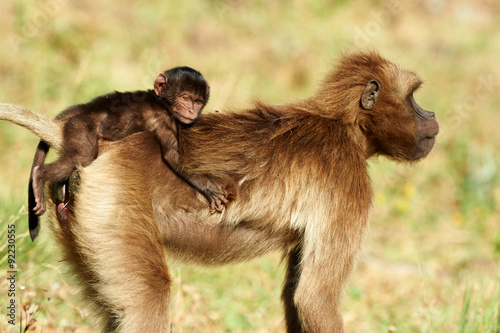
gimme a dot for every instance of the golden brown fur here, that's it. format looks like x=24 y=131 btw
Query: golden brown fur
x=125 y=268
x=298 y=174
x=43 y=127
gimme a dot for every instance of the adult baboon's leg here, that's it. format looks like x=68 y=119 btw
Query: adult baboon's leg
x=290 y=285
x=114 y=247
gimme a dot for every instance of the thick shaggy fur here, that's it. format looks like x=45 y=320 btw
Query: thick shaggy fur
x=298 y=176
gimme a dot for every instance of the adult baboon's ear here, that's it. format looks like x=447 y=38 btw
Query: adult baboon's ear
x=370 y=94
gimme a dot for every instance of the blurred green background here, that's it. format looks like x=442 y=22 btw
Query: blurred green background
x=431 y=260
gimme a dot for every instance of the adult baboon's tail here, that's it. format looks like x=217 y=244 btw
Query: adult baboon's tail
x=45 y=128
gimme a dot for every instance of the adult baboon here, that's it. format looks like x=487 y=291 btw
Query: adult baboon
x=299 y=175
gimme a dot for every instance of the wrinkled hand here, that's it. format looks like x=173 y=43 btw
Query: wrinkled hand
x=40 y=207
x=216 y=197
x=38 y=192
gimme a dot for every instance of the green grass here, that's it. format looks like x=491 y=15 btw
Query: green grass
x=431 y=261
x=481 y=313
